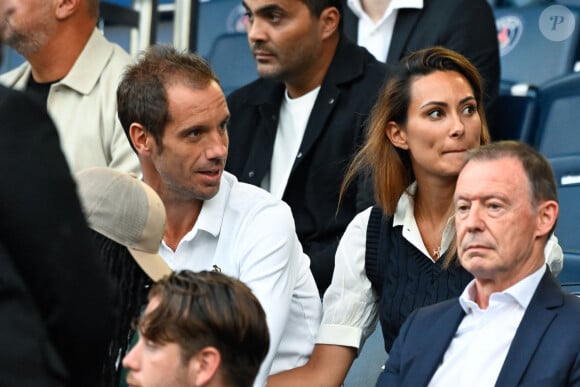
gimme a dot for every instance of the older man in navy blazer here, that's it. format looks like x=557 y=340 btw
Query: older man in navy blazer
x=513 y=324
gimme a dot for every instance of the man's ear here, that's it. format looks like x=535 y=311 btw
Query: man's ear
x=329 y=20
x=66 y=8
x=142 y=140
x=547 y=216
x=204 y=366
x=396 y=135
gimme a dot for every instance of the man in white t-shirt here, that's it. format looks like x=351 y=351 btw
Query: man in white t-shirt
x=175 y=113
x=294 y=130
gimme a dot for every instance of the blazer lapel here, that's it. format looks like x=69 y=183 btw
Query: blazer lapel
x=542 y=309
x=347 y=65
x=262 y=148
x=407 y=18
x=325 y=102
x=430 y=352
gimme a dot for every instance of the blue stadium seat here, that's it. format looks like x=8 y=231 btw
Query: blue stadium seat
x=558 y=138
x=368 y=365
x=10 y=59
x=573 y=3
x=536 y=46
x=231 y=59
x=119 y=17
x=513 y=117
x=567 y=173
x=211 y=19
x=218 y=17
x=573 y=288
x=559 y=117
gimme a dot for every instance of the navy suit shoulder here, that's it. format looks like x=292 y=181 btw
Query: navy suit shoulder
x=334 y=131
x=421 y=344
x=64 y=291
x=546 y=348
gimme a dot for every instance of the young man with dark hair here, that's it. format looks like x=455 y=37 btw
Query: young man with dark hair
x=199 y=329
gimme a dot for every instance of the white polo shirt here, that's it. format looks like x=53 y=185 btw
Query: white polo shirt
x=248 y=234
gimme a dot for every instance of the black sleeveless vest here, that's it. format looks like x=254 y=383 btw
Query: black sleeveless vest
x=403 y=277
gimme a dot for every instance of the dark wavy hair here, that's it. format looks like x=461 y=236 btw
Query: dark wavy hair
x=197 y=310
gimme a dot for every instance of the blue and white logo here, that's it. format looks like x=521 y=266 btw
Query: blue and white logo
x=509 y=31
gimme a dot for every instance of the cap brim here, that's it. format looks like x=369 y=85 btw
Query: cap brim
x=152 y=264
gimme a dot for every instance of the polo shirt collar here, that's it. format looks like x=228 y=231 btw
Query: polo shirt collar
x=211 y=217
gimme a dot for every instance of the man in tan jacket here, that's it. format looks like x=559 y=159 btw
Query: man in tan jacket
x=74 y=71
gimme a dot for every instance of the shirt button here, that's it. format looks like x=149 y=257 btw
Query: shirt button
x=251 y=174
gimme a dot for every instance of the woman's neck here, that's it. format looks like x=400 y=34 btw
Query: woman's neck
x=433 y=206
x=434 y=199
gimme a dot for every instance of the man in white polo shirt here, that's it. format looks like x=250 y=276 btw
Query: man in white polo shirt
x=175 y=113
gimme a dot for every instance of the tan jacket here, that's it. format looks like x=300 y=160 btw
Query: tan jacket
x=83 y=106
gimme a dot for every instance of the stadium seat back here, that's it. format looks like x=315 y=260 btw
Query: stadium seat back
x=537 y=42
x=231 y=59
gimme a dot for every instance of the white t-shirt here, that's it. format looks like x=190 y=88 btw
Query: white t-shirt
x=294 y=114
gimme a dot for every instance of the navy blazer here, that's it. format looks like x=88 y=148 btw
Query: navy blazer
x=466 y=26
x=545 y=351
x=334 y=131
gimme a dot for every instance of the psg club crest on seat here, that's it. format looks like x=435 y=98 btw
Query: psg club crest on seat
x=237 y=21
x=509 y=31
